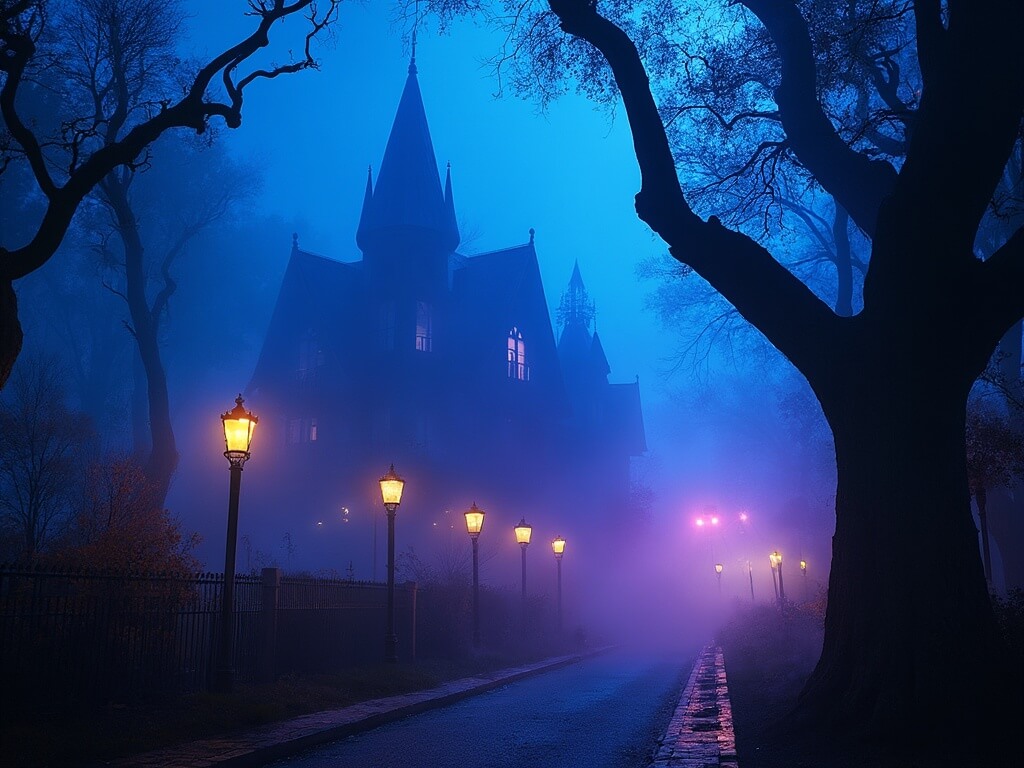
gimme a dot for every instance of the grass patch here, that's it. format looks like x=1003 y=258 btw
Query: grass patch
x=60 y=738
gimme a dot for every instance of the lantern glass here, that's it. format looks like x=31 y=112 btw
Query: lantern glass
x=523 y=532
x=558 y=546
x=778 y=557
x=773 y=559
x=474 y=520
x=803 y=565
x=391 y=486
x=239 y=425
x=718 y=567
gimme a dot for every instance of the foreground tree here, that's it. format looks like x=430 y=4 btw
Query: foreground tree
x=910 y=668
x=69 y=165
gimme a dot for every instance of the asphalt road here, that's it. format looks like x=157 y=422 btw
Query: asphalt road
x=606 y=712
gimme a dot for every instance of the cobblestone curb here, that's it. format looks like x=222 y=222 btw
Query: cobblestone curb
x=277 y=740
x=700 y=733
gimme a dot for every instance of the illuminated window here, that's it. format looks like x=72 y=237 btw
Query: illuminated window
x=302 y=431
x=423 y=326
x=517 y=366
x=386 y=326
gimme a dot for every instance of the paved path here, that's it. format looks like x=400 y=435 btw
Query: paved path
x=700 y=734
x=605 y=712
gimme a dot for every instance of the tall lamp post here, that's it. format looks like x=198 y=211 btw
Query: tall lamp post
x=750 y=575
x=718 y=573
x=558 y=547
x=523 y=532
x=391 y=486
x=782 y=589
x=475 y=524
x=803 y=570
x=775 y=580
x=238 y=425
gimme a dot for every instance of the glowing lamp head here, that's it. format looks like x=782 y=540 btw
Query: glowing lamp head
x=558 y=547
x=523 y=532
x=700 y=522
x=718 y=568
x=391 y=486
x=714 y=519
x=239 y=425
x=474 y=520
x=775 y=558
x=744 y=517
x=803 y=566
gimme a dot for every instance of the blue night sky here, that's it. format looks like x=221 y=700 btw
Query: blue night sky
x=570 y=173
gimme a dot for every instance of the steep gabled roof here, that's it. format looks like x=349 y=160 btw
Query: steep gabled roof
x=408 y=192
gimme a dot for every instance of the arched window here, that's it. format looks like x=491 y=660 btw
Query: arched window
x=517 y=365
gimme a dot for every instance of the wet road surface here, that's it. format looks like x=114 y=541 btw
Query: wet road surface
x=606 y=712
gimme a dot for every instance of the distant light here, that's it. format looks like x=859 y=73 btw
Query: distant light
x=718 y=568
x=803 y=565
x=700 y=522
x=558 y=547
x=714 y=520
x=743 y=517
x=523 y=531
x=391 y=486
x=474 y=520
x=319 y=522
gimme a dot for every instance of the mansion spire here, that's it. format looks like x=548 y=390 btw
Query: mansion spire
x=407 y=201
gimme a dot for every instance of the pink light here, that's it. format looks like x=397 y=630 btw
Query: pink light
x=700 y=522
x=743 y=517
x=714 y=520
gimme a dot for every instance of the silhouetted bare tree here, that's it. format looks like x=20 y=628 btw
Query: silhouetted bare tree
x=903 y=636
x=87 y=148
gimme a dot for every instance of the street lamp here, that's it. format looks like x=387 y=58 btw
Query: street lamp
x=803 y=570
x=775 y=581
x=391 y=486
x=238 y=425
x=475 y=524
x=523 y=532
x=718 y=572
x=750 y=575
x=558 y=547
x=777 y=559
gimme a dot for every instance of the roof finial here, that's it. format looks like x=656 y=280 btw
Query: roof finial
x=415 y=24
x=532 y=233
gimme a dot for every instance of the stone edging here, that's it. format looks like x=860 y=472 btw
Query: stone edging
x=700 y=733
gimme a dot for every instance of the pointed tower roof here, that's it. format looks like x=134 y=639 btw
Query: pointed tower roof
x=576 y=308
x=408 y=193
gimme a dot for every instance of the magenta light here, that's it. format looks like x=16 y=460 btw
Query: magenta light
x=743 y=516
x=714 y=521
x=700 y=522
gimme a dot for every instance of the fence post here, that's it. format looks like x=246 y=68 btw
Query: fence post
x=266 y=643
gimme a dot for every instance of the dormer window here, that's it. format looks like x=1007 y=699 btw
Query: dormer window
x=517 y=365
x=424 y=321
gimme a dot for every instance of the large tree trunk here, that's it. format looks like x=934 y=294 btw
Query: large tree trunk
x=912 y=662
x=163 y=455
x=10 y=330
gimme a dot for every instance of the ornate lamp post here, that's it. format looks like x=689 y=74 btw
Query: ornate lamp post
x=775 y=580
x=718 y=573
x=777 y=559
x=558 y=547
x=238 y=425
x=475 y=524
x=523 y=532
x=391 y=486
